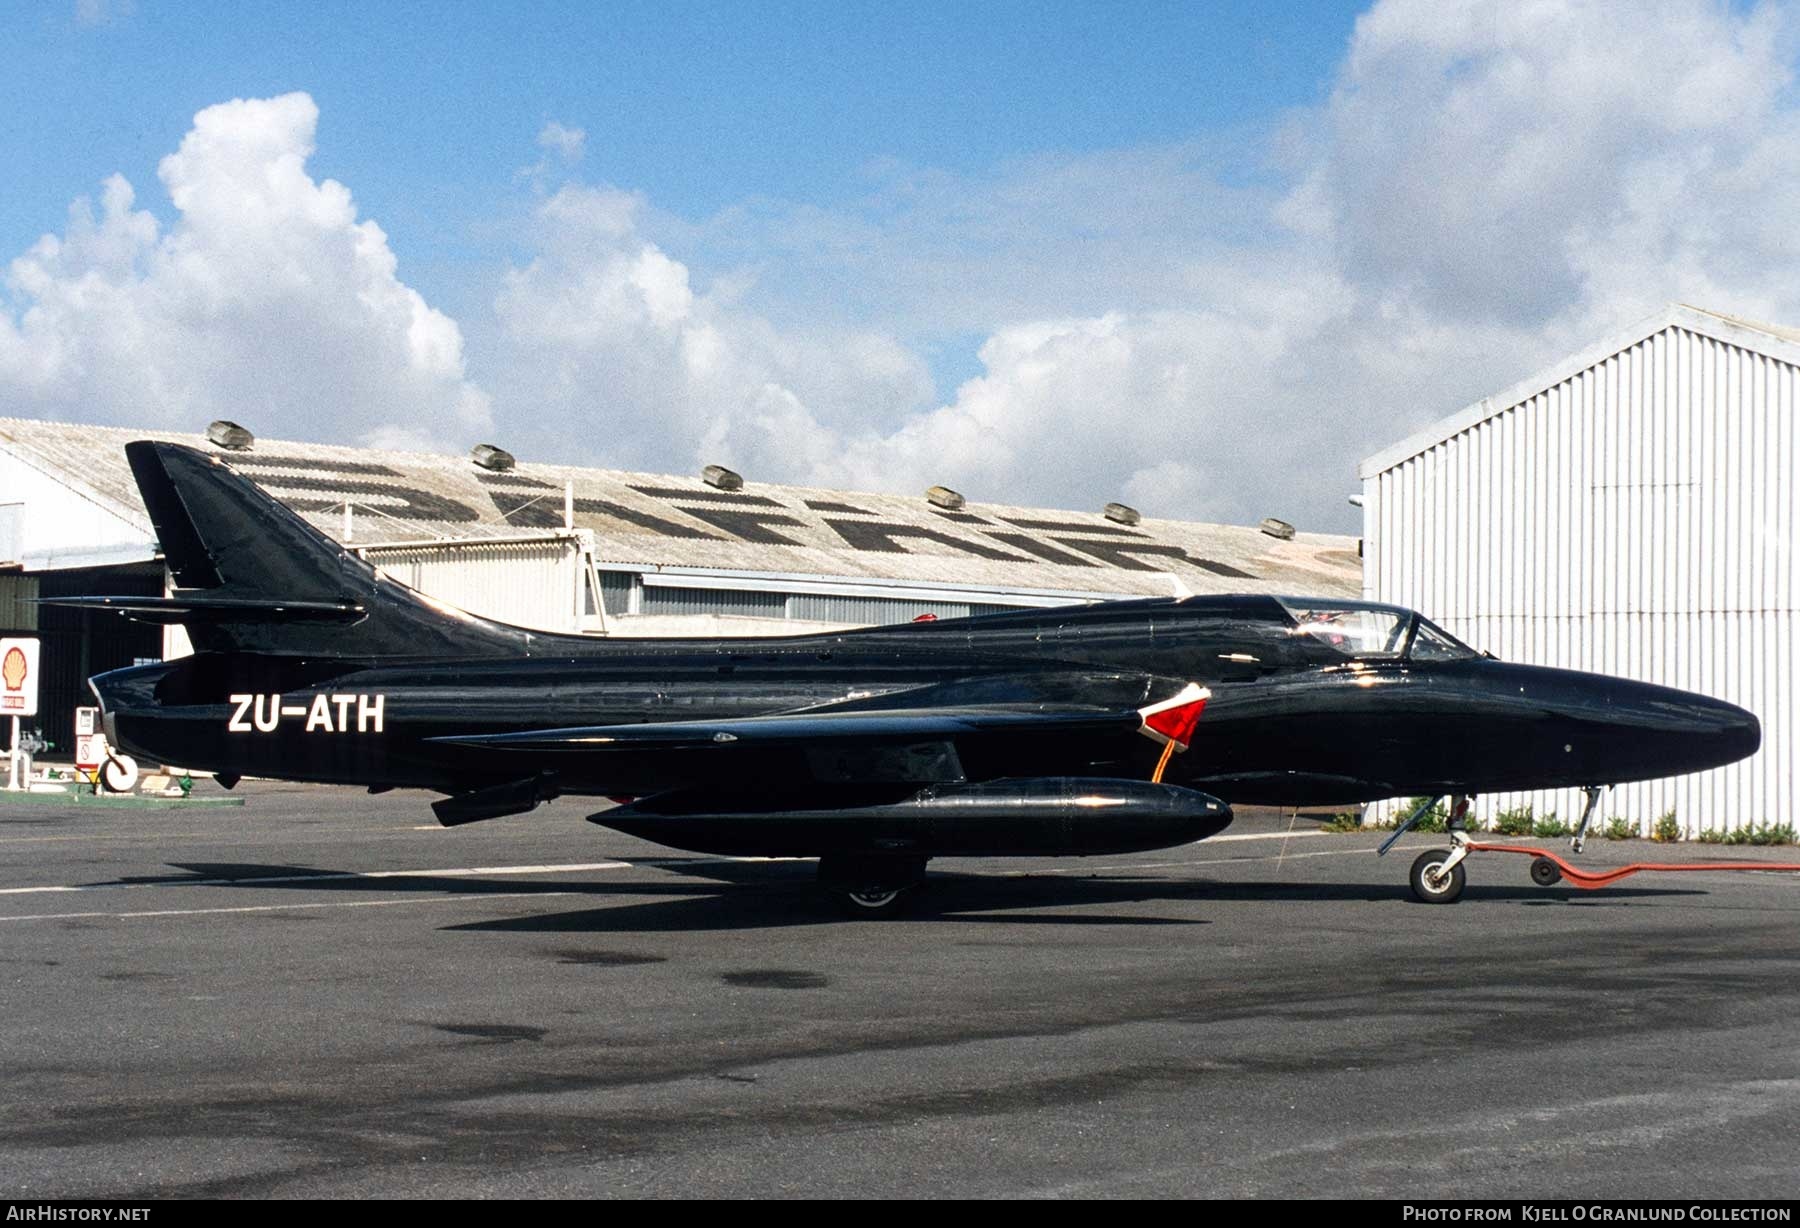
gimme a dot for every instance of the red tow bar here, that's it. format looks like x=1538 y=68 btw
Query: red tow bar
x=1589 y=880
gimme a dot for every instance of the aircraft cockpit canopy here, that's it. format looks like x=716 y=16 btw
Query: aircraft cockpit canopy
x=1363 y=630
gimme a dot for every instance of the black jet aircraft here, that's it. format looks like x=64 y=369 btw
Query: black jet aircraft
x=1105 y=728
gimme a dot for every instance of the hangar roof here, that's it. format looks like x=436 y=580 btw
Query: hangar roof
x=663 y=522
x=1775 y=340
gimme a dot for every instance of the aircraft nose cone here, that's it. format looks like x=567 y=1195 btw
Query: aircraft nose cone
x=1692 y=732
x=1741 y=733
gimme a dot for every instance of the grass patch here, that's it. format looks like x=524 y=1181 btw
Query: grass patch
x=1432 y=822
x=1549 y=827
x=1518 y=821
x=1762 y=834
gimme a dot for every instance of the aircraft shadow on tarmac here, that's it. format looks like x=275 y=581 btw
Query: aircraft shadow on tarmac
x=721 y=894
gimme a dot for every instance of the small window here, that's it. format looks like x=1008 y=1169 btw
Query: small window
x=1432 y=643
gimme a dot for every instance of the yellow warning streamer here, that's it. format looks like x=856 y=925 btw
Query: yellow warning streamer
x=1168 y=752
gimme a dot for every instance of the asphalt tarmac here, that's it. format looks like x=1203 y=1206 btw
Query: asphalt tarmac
x=323 y=994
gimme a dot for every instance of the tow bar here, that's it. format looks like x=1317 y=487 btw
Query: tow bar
x=1438 y=876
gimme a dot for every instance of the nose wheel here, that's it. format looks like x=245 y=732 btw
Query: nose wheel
x=1438 y=876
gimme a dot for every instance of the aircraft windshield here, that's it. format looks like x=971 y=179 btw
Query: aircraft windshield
x=1355 y=630
x=1361 y=629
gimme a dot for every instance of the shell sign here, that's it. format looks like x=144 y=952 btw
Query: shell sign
x=18 y=677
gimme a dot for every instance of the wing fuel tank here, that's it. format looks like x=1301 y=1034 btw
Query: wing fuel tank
x=1052 y=816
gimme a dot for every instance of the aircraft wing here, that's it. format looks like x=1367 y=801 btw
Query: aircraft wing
x=812 y=728
x=917 y=737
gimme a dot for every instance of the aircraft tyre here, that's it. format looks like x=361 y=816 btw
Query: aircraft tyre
x=1544 y=872
x=874 y=903
x=1432 y=887
x=872 y=888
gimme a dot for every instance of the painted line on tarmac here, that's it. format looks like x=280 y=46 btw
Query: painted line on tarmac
x=556 y=868
x=203 y=912
x=261 y=835
x=330 y=876
x=1215 y=861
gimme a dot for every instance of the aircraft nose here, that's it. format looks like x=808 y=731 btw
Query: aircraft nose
x=1737 y=732
x=1684 y=731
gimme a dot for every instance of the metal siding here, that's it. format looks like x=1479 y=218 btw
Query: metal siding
x=658 y=599
x=874 y=611
x=12 y=532
x=617 y=589
x=1635 y=518
x=57 y=527
x=528 y=584
x=18 y=613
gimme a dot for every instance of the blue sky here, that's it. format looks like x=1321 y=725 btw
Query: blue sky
x=1202 y=257
x=430 y=109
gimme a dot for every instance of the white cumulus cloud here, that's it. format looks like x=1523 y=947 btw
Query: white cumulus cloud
x=1486 y=188
x=607 y=350
x=1219 y=327
x=265 y=300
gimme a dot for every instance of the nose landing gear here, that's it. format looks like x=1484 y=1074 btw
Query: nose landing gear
x=1438 y=877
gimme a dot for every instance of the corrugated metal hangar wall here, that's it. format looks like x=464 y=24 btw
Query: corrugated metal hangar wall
x=1632 y=511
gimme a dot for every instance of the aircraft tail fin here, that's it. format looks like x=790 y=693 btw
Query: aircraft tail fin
x=252 y=576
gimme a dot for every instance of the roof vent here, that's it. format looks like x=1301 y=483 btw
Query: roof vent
x=496 y=460
x=1121 y=513
x=721 y=478
x=230 y=436
x=1278 y=528
x=944 y=497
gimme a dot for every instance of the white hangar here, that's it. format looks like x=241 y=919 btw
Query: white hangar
x=604 y=552
x=1632 y=510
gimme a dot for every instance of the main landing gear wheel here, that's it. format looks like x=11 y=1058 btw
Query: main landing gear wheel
x=874 y=904
x=874 y=887
x=1544 y=872
x=1431 y=883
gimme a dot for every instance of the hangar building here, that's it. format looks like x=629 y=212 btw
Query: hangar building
x=1632 y=510
x=603 y=552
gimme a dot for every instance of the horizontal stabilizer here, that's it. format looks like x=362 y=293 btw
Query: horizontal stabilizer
x=206 y=609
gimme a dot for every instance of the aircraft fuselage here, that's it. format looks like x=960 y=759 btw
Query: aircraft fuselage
x=1292 y=718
